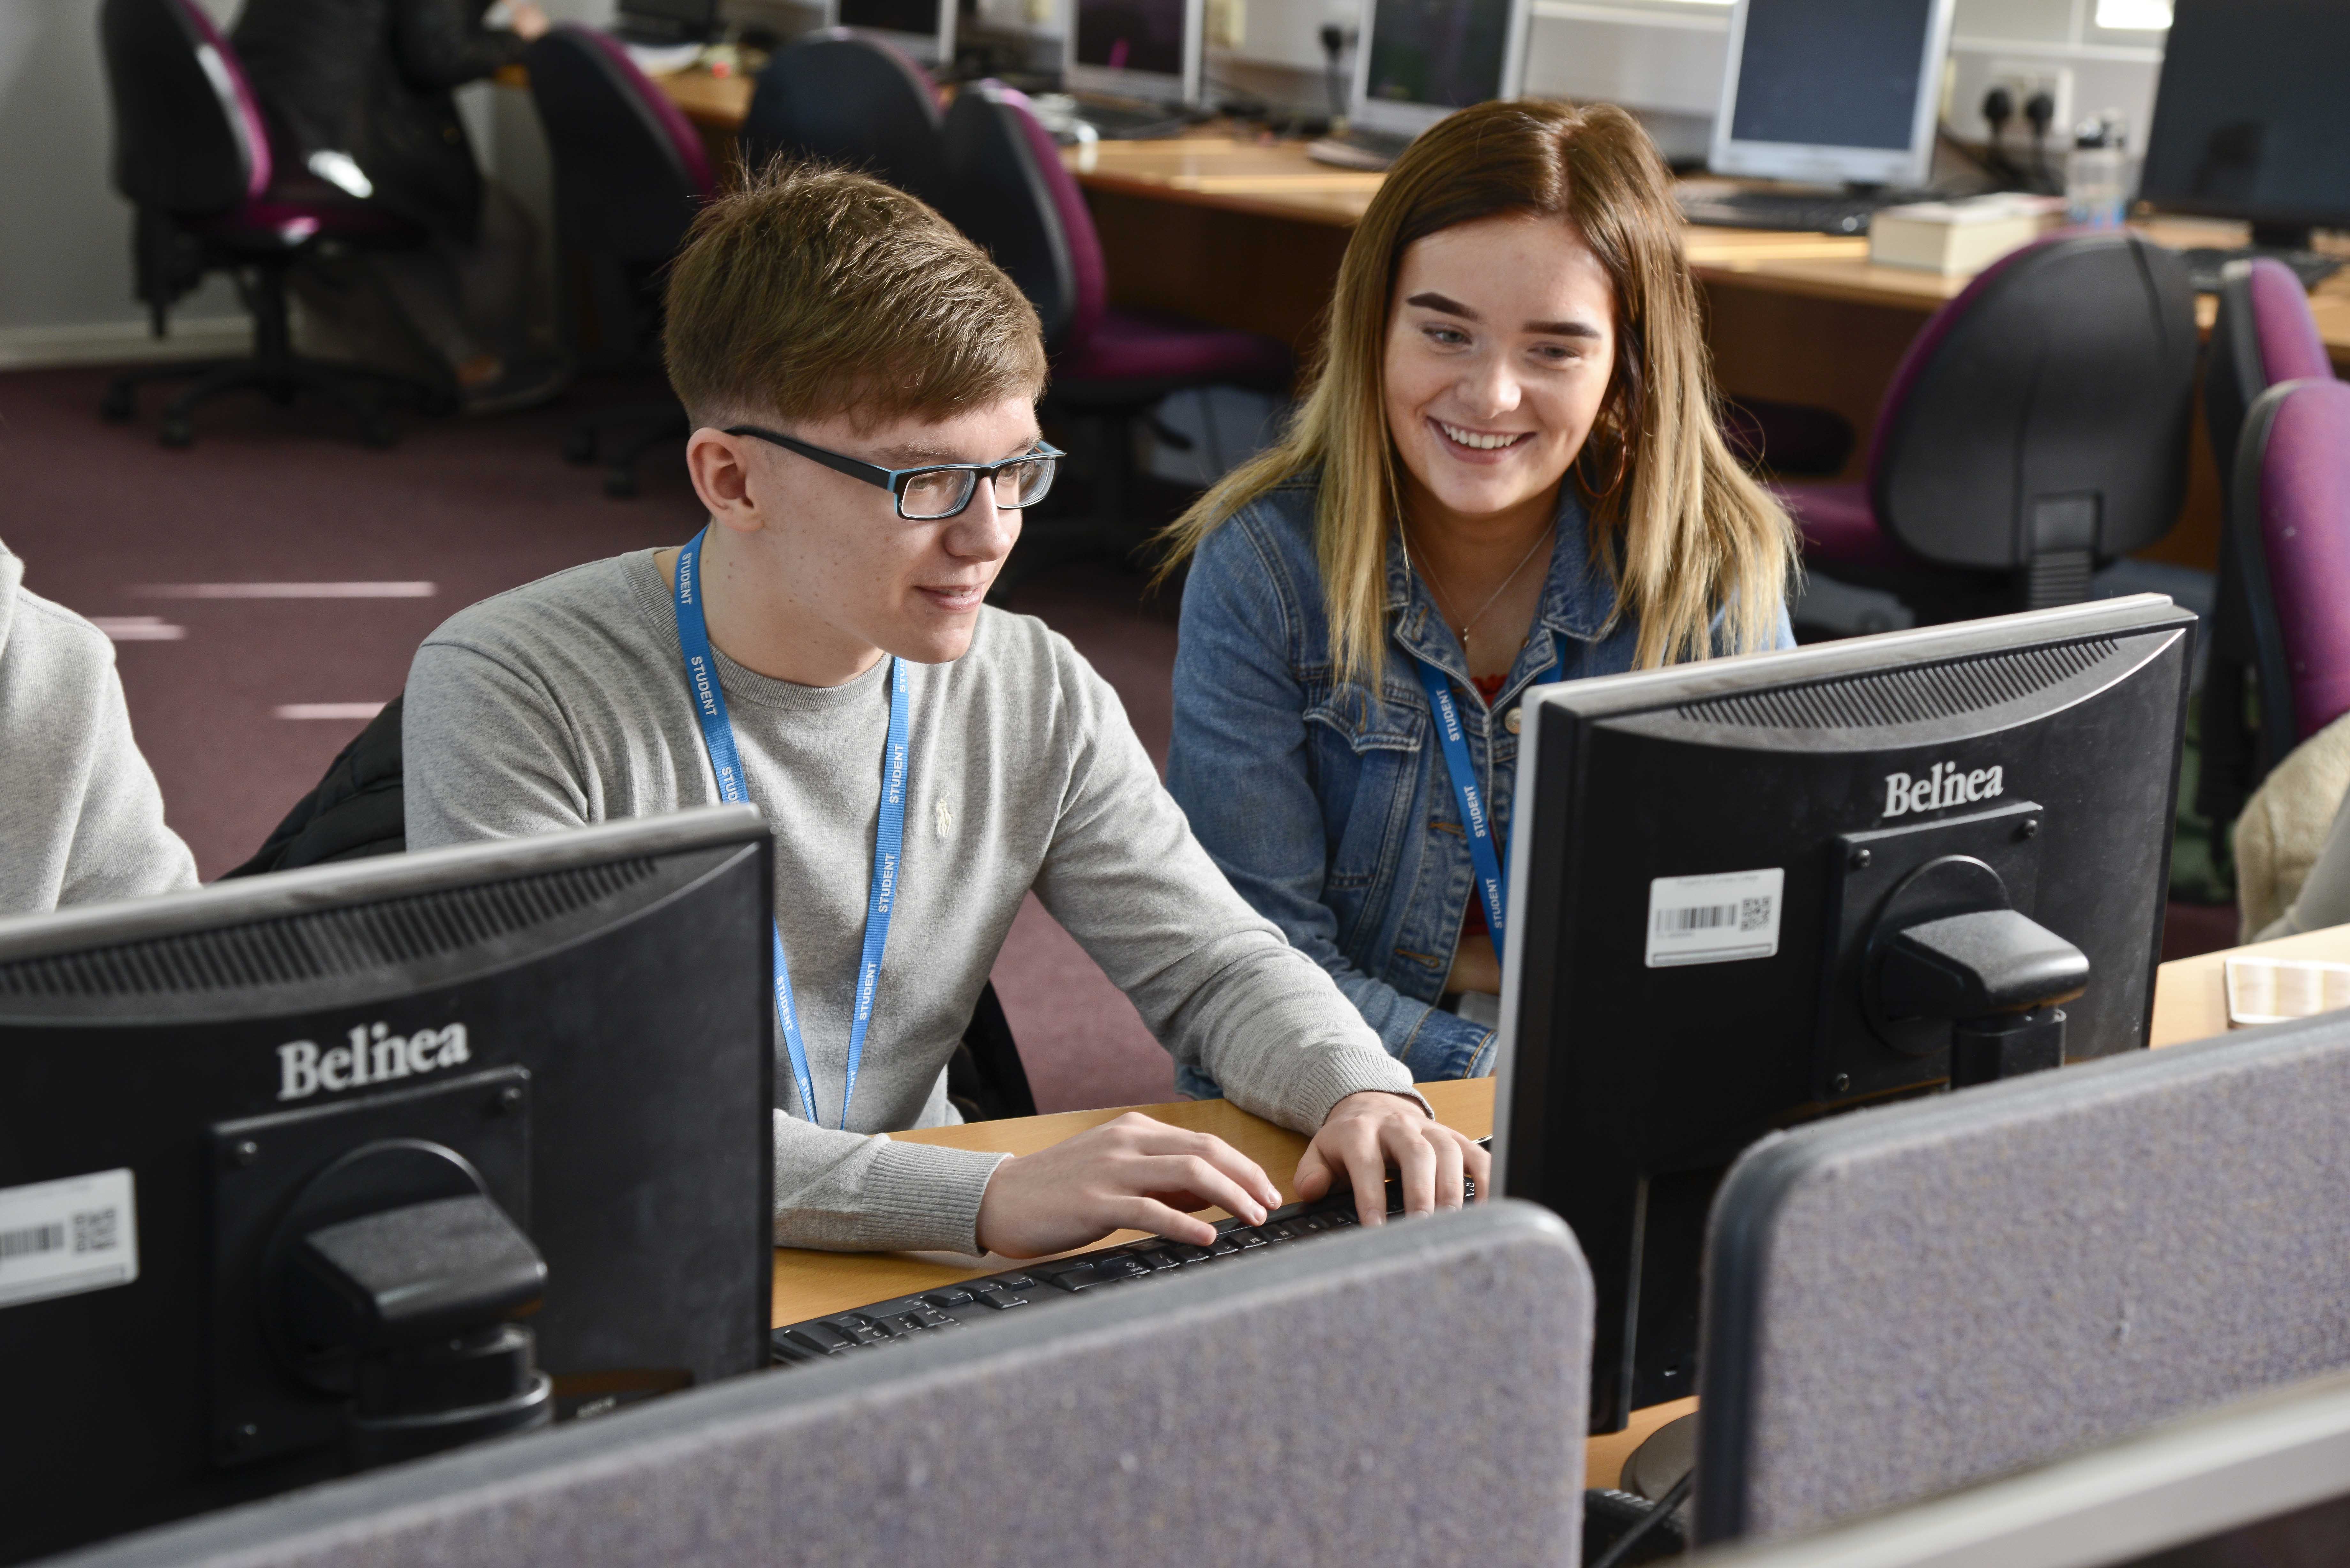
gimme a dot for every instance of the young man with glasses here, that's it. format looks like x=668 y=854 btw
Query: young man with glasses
x=863 y=382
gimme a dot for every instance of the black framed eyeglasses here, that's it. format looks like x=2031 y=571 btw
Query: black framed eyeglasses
x=937 y=490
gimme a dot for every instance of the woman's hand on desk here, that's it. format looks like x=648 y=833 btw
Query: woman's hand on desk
x=1133 y=1173
x=1366 y=1133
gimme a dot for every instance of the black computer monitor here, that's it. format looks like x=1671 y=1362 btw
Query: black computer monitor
x=924 y=29
x=1754 y=891
x=2251 y=120
x=285 y=1163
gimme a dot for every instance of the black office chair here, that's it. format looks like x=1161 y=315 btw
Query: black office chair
x=629 y=173
x=213 y=194
x=1008 y=190
x=2036 y=430
x=358 y=809
x=839 y=98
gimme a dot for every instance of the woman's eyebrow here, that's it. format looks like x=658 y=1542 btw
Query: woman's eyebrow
x=1563 y=329
x=1430 y=300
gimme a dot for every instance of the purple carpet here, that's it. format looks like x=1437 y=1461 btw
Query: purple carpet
x=241 y=701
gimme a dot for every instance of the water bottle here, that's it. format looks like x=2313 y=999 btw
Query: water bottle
x=2097 y=178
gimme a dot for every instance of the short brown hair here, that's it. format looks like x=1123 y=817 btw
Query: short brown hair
x=812 y=292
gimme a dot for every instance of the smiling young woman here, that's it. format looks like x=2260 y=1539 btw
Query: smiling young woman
x=1508 y=471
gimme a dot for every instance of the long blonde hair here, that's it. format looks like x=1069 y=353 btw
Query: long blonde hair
x=1678 y=525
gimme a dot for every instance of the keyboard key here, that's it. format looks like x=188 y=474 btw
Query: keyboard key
x=948 y=1298
x=857 y=1328
x=802 y=1340
x=1075 y=1280
x=1018 y=1282
x=1161 y=1259
x=1337 y=1219
x=1185 y=1254
x=1120 y=1266
x=1224 y=1247
x=1245 y=1237
x=1002 y=1301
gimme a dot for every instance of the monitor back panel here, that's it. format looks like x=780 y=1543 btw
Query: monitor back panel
x=1908 y=1301
x=2251 y=119
x=1700 y=877
x=594 y=1039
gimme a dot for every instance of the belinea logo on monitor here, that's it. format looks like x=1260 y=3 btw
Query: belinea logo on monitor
x=373 y=1057
x=1948 y=784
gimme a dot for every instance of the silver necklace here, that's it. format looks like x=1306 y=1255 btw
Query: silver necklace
x=1539 y=540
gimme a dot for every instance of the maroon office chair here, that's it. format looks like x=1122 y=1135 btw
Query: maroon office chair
x=629 y=173
x=1009 y=190
x=2265 y=336
x=214 y=193
x=2290 y=506
x=2036 y=429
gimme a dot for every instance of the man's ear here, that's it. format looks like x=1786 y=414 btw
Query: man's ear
x=719 y=466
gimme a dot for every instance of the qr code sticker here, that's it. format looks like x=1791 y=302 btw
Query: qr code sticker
x=95 y=1231
x=1753 y=914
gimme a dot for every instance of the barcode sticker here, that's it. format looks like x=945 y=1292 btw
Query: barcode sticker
x=61 y=1237
x=1717 y=918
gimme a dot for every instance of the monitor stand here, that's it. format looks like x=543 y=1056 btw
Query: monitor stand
x=2290 y=244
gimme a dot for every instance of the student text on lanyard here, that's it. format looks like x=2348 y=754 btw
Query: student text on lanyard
x=888 y=839
x=1484 y=853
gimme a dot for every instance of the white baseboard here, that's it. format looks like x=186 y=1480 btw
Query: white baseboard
x=123 y=342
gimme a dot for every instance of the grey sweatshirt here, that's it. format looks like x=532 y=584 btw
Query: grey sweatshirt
x=80 y=818
x=565 y=703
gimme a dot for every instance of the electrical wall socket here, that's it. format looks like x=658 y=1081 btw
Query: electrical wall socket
x=2024 y=78
x=1228 y=23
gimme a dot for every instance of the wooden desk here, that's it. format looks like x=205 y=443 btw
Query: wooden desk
x=2190 y=999
x=2186 y=1006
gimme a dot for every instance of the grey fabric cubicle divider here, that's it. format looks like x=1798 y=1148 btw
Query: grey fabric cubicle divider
x=1903 y=1302
x=1411 y=1393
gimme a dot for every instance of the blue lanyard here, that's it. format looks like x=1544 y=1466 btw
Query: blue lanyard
x=1485 y=854
x=888 y=839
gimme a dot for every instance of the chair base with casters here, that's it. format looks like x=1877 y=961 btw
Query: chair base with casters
x=620 y=437
x=276 y=370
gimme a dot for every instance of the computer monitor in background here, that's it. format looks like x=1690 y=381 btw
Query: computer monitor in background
x=1418 y=61
x=314 y=1171
x=664 y=22
x=1830 y=92
x=1144 y=49
x=1750 y=892
x=2251 y=120
x=923 y=29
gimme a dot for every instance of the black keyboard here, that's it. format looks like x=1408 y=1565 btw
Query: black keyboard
x=2204 y=264
x=1077 y=1277
x=1795 y=211
x=1120 y=119
x=1359 y=149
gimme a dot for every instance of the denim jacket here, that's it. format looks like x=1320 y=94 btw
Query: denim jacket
x=1328 y=805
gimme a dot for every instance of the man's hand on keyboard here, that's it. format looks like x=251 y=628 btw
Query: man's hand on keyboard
x=1131 y=1173
x=1368 y=1132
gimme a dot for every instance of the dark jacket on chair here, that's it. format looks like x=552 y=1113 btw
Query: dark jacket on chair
x=373 y=78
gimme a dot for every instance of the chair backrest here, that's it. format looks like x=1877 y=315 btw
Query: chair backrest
x=1008 y=189
x=629 y=168
x=1408 y=1394
x=2045 y=411
x=839 y=98
x=2291 y=546
x=1903 y=1302
x=188 y=139
x=2264 y=334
